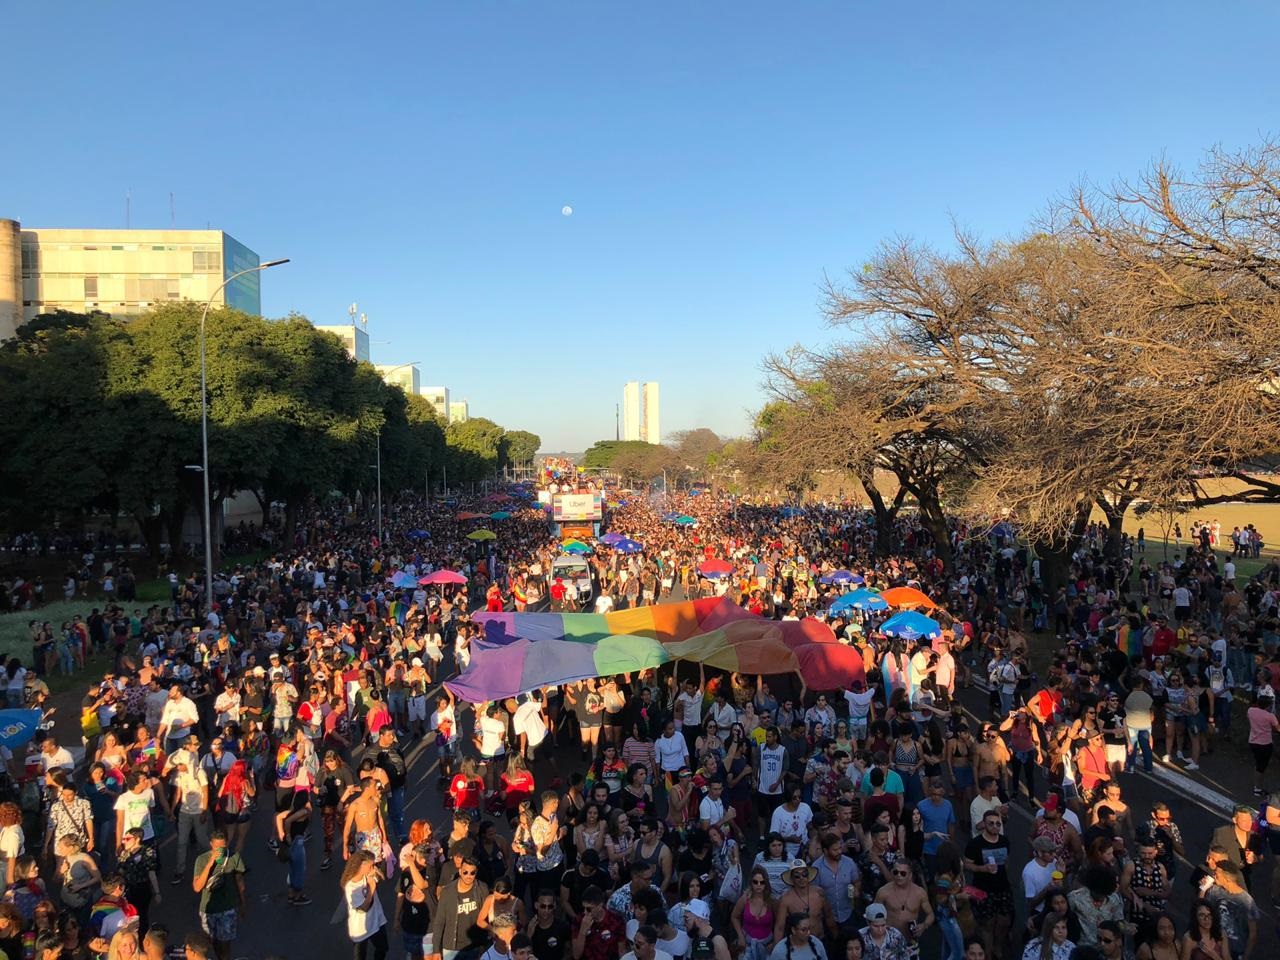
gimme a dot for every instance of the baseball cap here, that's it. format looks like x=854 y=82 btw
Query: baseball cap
x=698 y=908
x=416 y=662
x=876 y=911
x=1051 y=802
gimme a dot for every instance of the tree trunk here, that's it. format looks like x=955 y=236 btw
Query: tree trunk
x=151 y=528
x=885 y=514
x=1114 y=512
x=174 y=519
x=1055 y=554
x=291 y=510
x=936 y=522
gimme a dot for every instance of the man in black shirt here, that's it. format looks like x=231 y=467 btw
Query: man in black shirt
x=585 y=874
x=987 y=857
x=551 y=934
x=391 y=761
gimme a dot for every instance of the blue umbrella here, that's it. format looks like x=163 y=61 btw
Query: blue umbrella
x=628 y=546
x=17 y=727
x=418 y=535
x=911 y=625
x=403 y=580
x=609 y=539
x=789 y=512
x=840 y=576
x=859 y=600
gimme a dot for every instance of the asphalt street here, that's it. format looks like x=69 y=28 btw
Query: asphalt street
x=274 y=927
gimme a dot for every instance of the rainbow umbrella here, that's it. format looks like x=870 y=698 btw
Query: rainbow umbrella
x=576 y=546
x=684 y=520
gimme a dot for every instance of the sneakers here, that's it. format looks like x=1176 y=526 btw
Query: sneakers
x=300 y=901
x=1167 y=758
x=1259 y=792
x=273 y=843
x=177 y=878
x=1192 y=765
x=1183 y=757
x=326 y=863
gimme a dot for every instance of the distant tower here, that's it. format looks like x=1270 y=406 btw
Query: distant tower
x=631 y=411
x=652 y=429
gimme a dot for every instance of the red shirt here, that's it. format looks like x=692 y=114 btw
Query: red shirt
x=518 y=788
x=1163 y=642
x=466 y=792
x=607 y=939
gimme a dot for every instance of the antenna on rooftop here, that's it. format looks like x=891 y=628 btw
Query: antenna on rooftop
x=352 y=311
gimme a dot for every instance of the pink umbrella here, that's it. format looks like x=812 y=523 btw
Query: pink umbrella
x=442 y=576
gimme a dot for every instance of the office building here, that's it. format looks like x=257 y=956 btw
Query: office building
x=651 y=429
x=402 y=375
x=120 y=272
x=631 y=411
x=640 y=416
x=438 y=397
x=354 y=337
x=459 y=411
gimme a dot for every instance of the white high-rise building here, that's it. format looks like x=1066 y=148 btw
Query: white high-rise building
x=631 y=412
x=651 y=430
x=640 y=418
x=438 y=397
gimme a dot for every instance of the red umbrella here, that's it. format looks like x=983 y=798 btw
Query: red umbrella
x=443 y=576
x=715 y=568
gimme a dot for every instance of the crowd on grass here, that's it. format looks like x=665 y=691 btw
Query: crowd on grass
x=680 y=813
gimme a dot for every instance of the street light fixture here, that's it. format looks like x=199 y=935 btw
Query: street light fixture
x=204 y=430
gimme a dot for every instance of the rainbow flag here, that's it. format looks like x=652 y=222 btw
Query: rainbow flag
x=524 y=651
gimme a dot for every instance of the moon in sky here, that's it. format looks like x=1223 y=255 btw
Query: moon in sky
x=566 y=211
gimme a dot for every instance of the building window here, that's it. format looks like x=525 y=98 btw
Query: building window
x=206 y=261
x=30 y=258
x=91 y=288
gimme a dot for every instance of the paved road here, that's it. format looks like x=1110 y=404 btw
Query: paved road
x=275 y=927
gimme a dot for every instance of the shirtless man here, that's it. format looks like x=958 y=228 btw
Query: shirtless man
x=1111 y=799
x=802 y=897
x=991 y=758
x=906 y=901
x=364 y=818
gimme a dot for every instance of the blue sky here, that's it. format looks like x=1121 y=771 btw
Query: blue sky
x=720 y=158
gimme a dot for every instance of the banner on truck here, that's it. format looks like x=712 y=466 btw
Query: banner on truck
x=577 y=506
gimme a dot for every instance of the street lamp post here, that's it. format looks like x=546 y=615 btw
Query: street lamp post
x=204 y=431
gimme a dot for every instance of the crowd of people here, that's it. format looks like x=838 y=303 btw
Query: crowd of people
x=684 y=813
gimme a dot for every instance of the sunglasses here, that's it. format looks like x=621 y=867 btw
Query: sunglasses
x=466 y=873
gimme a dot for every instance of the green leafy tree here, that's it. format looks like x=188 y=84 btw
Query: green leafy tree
x=522 y=446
